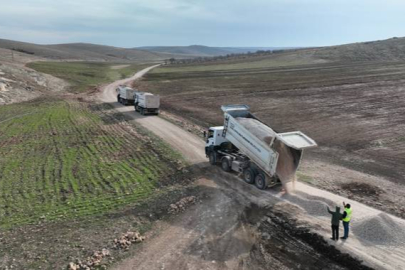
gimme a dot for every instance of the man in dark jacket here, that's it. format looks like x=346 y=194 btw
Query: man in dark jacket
x=336 y=217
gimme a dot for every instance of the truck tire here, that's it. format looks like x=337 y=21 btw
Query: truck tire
x=142 y=111
x=213 y=158
x=136 y=108
x=249 y=175
x=118 y=98
x=124 y=102
x=225 y=165
x=260 y=181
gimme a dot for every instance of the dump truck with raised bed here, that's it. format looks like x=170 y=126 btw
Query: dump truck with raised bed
x=146 y=103
x=246 y=145
x=125 y=95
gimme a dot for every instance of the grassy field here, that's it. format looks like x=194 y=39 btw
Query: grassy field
x=85 y=75
x=61 y=159
x=75 y=175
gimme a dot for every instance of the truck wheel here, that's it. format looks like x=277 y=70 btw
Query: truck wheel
x=260 y=181
x=142 y=111
x=136 y=108
x=118 y=98
x=124 y=102
x=225 y=165
x=213 y=158
x=249 y=175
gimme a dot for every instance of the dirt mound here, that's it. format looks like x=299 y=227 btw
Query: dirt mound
x=181 y=205
x=91 y=262
x=127 y=239
x=380 y=230
x=363 y=189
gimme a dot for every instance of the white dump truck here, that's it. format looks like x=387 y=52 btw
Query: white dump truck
x=125 y=95
x=146 y=103
x=248 y=146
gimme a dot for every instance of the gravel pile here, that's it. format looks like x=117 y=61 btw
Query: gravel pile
x=380 y=230
x=127 y=239
x=181 y=205
x=92 y=262
x=312 y=207
x=257 y=128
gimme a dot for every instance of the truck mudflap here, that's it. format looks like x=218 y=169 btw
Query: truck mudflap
x=296 y=140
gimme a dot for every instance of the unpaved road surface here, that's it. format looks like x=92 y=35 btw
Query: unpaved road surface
x=376 y=237
x=187 y=144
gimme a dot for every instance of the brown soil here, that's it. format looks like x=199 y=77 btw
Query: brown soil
x=355 y=108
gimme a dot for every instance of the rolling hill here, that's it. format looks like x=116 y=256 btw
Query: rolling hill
x=82 y=52
x=204 y=51
x=386 y=50
x=392 y=49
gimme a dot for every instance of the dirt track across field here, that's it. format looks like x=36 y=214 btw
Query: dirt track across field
x=212 y=235
x=179 y=139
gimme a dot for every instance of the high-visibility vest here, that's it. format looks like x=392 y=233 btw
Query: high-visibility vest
x=348 y=215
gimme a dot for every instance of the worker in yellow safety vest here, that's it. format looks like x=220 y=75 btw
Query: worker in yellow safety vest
x=347 y=215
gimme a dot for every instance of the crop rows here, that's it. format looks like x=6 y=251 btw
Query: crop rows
x=64 y=161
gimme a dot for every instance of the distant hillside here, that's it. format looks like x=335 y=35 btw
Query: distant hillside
x=194 y=50
x=83 y=52
x=383 y=50
x=204 y=51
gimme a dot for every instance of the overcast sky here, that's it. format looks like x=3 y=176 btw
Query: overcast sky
x=263 y=23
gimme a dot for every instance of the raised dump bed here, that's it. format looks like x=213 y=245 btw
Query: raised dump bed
x=247 y=145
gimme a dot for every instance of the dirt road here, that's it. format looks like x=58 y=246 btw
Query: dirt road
x=186 y=143
x=194 y=243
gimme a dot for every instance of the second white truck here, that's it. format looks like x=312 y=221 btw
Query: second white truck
x=125 y=95
x=248 y=146
x=146 y=103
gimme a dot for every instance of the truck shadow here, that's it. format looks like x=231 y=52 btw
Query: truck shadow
x=109 y=114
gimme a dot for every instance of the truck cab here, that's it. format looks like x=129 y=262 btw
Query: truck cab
x=214 y=137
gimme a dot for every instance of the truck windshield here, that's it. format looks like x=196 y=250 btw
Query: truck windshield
x=210 y=133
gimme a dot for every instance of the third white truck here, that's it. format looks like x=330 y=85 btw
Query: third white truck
x=248 y=146
x=146 y=103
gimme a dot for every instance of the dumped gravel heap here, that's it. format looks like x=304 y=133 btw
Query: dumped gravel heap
x=127 y=239
x=181 y=205
x=287 y=164
x=380 y=230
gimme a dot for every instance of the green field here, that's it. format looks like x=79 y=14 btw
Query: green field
x=85 y=75
x=65 y=159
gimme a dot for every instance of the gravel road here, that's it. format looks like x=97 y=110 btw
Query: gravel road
x=185 y=142
x=376 y=237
